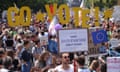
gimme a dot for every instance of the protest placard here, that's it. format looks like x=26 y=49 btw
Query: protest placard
x=73 y=40
x=113 y=64
x=93 y=48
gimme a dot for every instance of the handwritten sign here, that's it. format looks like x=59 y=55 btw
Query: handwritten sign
x=113 y=64
x=73 y=40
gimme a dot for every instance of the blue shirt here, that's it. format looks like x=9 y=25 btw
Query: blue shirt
x=52 y=46
x=102 y=49
x=36 y=50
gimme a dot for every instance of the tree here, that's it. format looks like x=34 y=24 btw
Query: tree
x=101 y=3
x=35 y=5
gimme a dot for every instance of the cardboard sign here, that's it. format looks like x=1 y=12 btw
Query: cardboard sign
x=93 y=49
x=113 y=64
x=74 y=40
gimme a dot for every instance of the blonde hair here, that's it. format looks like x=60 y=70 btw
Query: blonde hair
x=42 y=56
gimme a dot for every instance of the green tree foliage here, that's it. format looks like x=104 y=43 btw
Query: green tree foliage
x=35 y=5
x=101 y=3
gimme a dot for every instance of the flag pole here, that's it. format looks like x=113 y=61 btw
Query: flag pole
x=92 y=4
x=74 y=63
x=15 y=5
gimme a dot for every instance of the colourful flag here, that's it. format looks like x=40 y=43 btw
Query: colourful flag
x=51 y=29
x=82 y=4
x=99 y=36
x=51 y=9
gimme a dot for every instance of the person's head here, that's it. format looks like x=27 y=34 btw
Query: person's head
x=65 y=58
x=21 y=33
x=103 y=44
x=81 y=60
x=34 y=37
x=58 y=61
x=103 y=67
x=10 y=54
x=43 y=42
x=3 y=28
x=35 y=69
x=19 y=46
x=2 y=52
x=28 y=37
x=26 y=44
x=1 y=63
x=117 y=23
x=7 y=62
x=95 y=65
x=114 y=35
x=45 y=56
x=6 y=32
x=15 y=63
x=50 y=36
x=37 y=42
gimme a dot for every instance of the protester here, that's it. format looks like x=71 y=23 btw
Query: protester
x=41 y=62
x=81 y=64
x=95 y=66
x=103 y=67
x=6 y=65
x=53 y=46
x=53 y=64
x=36 y=49
x=103 y=48
x=65 y=66
x=26 y=58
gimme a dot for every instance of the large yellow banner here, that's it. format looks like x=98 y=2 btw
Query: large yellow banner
x=63 y=12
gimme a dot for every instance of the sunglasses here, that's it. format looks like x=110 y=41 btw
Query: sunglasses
x=66 y=57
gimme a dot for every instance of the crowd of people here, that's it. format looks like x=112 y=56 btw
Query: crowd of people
x=21 y=49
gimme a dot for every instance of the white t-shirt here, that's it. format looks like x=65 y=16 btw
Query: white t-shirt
x=60 y=69
x=4 y=70
x=36 y=63
x=51 y=70
x=83 y=70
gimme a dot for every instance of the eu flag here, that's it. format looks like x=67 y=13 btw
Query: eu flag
x=99 y=36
